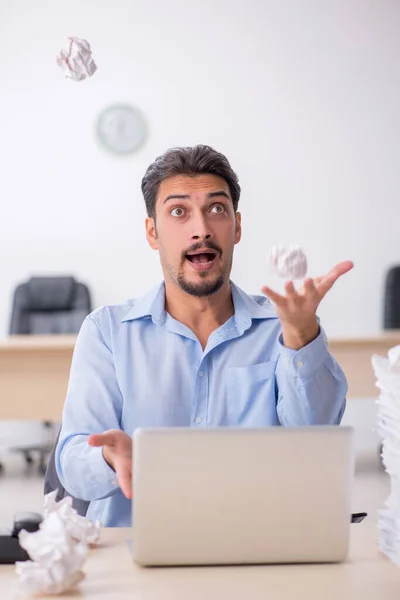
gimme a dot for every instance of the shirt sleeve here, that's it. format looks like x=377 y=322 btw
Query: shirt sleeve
x=311 y=386
x=93 y=405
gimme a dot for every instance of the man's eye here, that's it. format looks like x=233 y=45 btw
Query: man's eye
x=178 y=211
x=218 y=208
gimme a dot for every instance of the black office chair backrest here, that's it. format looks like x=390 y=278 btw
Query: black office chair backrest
x=49 y=305
x=391 y=315
x=52 y=482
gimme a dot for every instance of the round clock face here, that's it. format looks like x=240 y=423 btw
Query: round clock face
x=121 y=129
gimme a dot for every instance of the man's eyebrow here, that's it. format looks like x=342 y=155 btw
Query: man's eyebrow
x=216 y=194
x=187 y=196
x=176 y=197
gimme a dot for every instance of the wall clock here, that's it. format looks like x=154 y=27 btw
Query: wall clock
x=121 y=129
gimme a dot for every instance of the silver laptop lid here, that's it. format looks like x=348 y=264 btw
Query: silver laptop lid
x=236 y=496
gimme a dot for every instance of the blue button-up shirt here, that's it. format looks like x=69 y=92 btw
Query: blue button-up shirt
x=136 y=366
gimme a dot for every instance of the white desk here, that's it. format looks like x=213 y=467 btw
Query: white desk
x=111 y=575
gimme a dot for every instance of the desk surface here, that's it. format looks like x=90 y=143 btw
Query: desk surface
x=68 y=341
x=37 y=342
x=354 y=356
x=390 y=336
x=34 y=371
x=110 y=574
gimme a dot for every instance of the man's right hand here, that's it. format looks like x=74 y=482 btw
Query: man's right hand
x=117 y=451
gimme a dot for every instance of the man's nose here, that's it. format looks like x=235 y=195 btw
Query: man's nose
x=200 y=230
x=199 y=236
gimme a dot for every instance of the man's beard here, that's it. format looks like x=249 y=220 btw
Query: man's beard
x=200 y=290
x=203 y=288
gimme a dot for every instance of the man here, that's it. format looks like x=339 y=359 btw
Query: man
x=195 y=352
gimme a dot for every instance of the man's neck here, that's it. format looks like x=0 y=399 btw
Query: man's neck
x=201 y=315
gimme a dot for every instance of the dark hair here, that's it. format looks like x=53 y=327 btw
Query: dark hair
x=192 y=160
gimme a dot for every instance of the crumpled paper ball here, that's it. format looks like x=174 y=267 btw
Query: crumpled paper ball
x=289 y=262
x=79 y=527
x=76 y=59
x=56 y=562
x=57 y=550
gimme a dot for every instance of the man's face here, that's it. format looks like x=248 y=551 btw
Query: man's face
x=195 y=232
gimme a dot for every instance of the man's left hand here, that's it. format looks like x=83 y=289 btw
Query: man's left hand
x=297 y=310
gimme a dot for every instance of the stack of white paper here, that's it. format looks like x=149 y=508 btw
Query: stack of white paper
x=387 y=372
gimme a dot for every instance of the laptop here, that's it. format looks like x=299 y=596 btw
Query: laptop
x=242 y=496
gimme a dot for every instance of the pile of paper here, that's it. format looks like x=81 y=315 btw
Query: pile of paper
x=387 y=372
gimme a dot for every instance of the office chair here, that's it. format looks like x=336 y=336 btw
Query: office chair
x=48 y=305
x=52 y=482
x=391 y=311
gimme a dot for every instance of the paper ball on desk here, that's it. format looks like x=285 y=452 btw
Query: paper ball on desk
x=80 y=528
x=56 y=559
x=76 y=59
x=57 y=550
x=289 y=262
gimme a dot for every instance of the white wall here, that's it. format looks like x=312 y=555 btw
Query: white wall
x=303 y=97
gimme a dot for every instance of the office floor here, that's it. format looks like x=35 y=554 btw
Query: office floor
x=22 y=488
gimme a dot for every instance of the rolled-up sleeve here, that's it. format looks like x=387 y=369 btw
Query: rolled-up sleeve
x=311 y=385
x=93 y=405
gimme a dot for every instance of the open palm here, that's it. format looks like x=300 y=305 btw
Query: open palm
x=298 y=307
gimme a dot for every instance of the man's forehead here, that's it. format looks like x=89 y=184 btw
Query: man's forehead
x=192 y=185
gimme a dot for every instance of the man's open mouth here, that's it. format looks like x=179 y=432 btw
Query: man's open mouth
x=201 y=257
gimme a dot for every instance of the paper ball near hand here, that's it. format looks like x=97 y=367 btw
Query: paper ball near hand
x=288 y=261
x=76 y=60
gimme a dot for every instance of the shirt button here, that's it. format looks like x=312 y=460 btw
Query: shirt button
x=300 y=363
x=199 y=420
x=114 y=482
x=201 y=373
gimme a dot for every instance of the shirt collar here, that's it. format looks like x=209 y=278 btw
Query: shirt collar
x=246 y=307
x=151 y=305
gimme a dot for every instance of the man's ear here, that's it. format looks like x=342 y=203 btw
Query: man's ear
x=151 y=233
x=238 y=227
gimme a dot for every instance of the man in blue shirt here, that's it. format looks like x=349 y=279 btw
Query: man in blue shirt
x=196 y=351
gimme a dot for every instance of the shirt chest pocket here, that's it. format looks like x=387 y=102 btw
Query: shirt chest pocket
x=251 y=395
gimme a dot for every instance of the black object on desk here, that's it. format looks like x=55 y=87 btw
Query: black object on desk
x=358 y=517
x=10 y=550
